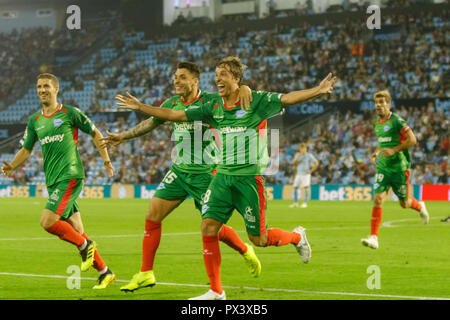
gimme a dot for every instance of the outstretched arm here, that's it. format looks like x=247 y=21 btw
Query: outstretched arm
x=294 y=97
x=114 y=139
x=130 y=102
x=97 y=137
x=19 y=159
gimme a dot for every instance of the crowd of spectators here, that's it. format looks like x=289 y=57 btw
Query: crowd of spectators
x=415 y=65
x=33 y=50
x=344 y=143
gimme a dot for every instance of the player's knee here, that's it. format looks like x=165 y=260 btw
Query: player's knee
x=258 y=241
x=46 y=223
x=404 y=204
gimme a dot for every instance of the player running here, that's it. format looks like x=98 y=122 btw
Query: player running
x=190 y=177
x=56 y=128
x=394 y=138
x=238 y=183
x=306 y=164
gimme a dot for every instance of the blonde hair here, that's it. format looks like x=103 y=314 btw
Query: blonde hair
x=50 y=76
x=383 y=94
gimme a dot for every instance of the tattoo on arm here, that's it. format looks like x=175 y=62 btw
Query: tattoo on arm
x=142 y=128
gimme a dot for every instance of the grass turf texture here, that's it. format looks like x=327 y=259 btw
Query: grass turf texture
x=413 y=258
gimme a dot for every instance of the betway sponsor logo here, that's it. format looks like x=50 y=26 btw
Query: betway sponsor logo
x=49 y=139
x=184 y=126
x=232 y=129
x=385 y=139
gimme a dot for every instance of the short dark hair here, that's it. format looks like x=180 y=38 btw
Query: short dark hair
x=236 y=66
x=191 y=66
x=50 y=76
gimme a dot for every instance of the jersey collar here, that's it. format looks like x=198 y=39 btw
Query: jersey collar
x=196 y=97
x=388 y=118
x=57 y=109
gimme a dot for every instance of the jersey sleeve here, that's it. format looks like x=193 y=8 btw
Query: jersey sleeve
x=165 y=104
x=200 y=113
x=30 y=137
x=268 y=104
x=81 y=121
x=402 y=125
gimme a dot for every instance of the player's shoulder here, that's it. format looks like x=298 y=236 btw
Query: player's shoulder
x=396 y=116
x=209 y=97
x=68 y=109
x=170 y=102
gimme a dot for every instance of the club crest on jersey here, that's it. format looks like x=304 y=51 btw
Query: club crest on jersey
x=55 y=195
x=240 y=113
x=57 y=122
x=386 y=128
x=248 y=215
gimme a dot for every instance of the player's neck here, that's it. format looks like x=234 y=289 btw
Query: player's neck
x=384 y=117
x=191 y=96
x=50 y=108
x=232 y=98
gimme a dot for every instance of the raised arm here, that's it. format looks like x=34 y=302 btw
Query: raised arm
x=21 y=156
x=294 y=97
x=130 y=102
x=97 y=137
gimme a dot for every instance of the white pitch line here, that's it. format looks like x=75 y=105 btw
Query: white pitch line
x=388 y=224
x=247 y=288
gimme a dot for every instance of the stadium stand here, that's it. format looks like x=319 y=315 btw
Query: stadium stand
x=412 y=62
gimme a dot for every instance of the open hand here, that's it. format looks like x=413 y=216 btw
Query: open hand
x=128 y=102
x=326 y=86
x=7 y=170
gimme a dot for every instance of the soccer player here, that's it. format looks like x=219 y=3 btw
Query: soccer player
x=394 y=138
x=306 y=164
x=238 y=183
x=189 y=177
x=56 y=128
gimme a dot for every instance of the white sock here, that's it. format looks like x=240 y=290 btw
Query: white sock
x=104 y=270
x=83 y=246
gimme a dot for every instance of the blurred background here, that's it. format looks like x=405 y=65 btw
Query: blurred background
x=287 y=45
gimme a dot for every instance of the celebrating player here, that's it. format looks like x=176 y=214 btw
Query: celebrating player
x=56 y=128
x=238 y=183
x=190 y=177
x=306 y=164
x=394 y=138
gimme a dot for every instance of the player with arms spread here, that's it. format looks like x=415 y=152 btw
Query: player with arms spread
x=191 y=176
x=56 y=128
x=238 y=183
x=394 y=138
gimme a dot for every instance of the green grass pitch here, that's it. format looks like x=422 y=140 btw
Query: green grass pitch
x=413 y=259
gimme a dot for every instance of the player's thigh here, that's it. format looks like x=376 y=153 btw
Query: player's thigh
x=249 y=196
x=297 y=181
x=160 y=208
x=62 y=198
x=196 y=186
x=48 y=218
x=76 y=222
x=381 y=186
x=305 y=181
x=169 y=194
x=401 y=188
x=217 y=200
